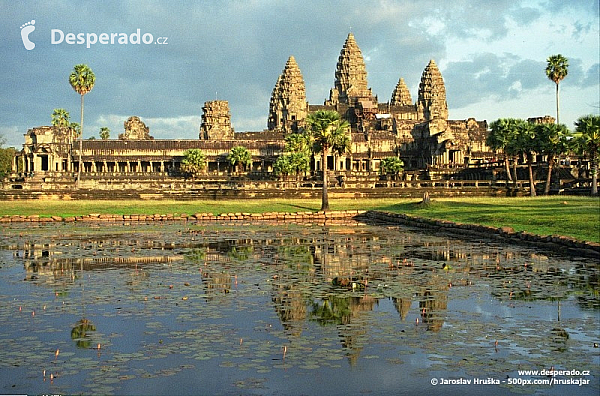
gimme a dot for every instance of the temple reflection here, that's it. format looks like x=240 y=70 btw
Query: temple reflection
x=327 y=276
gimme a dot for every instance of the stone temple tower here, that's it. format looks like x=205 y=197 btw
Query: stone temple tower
x=350 y=76
x=432 y=104
x=216 y=121
x=288 y=107
x=401 y=95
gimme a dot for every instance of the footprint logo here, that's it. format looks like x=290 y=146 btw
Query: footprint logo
x=25 y=30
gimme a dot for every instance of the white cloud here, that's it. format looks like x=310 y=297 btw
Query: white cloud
x=184 y=127
x=488 y=52
x=8 y=136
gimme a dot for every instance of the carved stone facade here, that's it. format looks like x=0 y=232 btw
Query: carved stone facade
x=288 y=107
x=135 y=129
x=420 y=133
x=47 y=149
x=216 y=121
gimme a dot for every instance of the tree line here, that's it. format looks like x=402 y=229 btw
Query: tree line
x=521 y=139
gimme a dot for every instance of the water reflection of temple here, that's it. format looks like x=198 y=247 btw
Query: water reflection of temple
x=433 y=303
x=416 y=272
x=61 y=260
x=290 y=304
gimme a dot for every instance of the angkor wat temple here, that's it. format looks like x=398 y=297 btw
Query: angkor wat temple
x=418 y=132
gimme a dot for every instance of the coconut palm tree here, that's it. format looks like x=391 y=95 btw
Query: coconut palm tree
x=329 y=133
x=557 y=70
x=82 y=80
x=587 y=142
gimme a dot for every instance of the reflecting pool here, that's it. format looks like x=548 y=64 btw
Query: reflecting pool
x=348 y=309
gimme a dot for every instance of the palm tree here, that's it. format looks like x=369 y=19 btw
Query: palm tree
x=241 y=156
x=551 y=141
x=61 y=118
x=82 y=80
x=194 y=162
x=557 y=70
x=104 y=133
x=502 y=134
x=76 y=129
x=329 y=132
x=587 y=141
x=526 y=145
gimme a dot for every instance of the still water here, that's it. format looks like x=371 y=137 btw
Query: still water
x=288 y=309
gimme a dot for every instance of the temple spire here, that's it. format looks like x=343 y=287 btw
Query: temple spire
x=216 y=121
x=432 y=104
x=401 y=95
x=288 y=107
x=350 y=75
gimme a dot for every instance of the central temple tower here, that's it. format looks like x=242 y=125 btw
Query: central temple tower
x=432 y=105
x=350 y=76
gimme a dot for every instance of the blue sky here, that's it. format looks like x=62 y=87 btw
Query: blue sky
x=492 y=55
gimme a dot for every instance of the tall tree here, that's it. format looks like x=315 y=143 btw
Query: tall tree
x=501 y=137
x=61 y=118
x=557 y=69
x=7 y=156
x=587 y=142
x=76 y=128
x=526 y=144
x=296 y=157
x=240 y=156
x=82 y=80
x=104 y=133
x=299 y=142
x=552 y=140
x=329 y=133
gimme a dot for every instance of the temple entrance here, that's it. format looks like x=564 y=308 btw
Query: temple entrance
x=44 y=163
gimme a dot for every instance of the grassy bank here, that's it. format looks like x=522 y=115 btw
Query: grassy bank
x=578 y=217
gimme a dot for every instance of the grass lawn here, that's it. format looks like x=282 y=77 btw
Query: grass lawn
x=578 y=217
